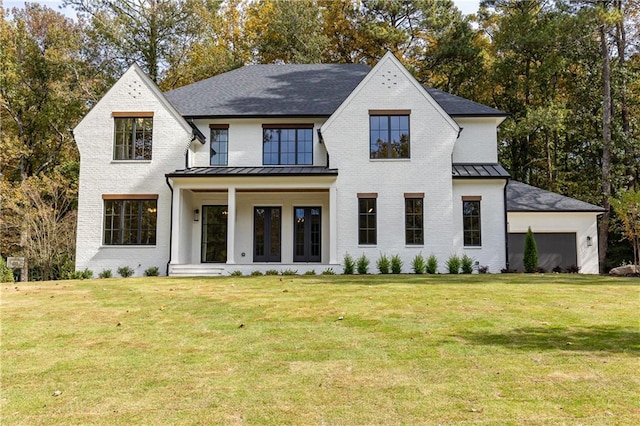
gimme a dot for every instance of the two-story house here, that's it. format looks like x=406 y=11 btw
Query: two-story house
x=294 y=166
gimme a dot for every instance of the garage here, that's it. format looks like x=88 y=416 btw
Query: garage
x=554 y=249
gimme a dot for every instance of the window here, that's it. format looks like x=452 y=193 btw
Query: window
x=287 y=145
x=133 y=136
x=414 y=219
x=388 y=135
x=367 y=233
x=471 y=221
x=219 y=144
x=130 y=221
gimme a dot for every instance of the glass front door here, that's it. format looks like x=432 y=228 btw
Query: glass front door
x=306 y=234
x=267 y=222
x=214 y=234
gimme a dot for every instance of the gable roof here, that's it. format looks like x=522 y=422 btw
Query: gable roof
x=286 y=90
x=526 y=198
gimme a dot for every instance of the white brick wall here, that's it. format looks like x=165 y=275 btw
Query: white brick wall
x=100 y=174
x=478 y=141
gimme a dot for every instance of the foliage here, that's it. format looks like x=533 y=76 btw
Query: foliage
x=466 y=264
x=105 y=273
x=627 y=209
x=6 y=274
x=362 y=265
x=80 y=275
x=310 y=272
x=271 y=272
x=432 y=264
x=290 y=272
x=152 y=271
x=557 y=269
x=328 y=271
x=236 y=273
x=125 y=271
x=418 y=265
x=572 y=269
x=383 y=264
x=483 y=269
x=349 y=264
x=453 y=264
x=396 y=264
x=530 y=259
x=256 y=273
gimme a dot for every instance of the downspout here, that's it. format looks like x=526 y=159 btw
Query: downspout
x=170 y=225
x=506 y=225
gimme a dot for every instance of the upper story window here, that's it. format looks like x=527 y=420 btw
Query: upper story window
x=472 y=235
x=389 y=134
x=219 y=144
x=130 y=220
x=287 y=144
x=133 y=135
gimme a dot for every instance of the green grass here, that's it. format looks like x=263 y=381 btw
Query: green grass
x=493 y=349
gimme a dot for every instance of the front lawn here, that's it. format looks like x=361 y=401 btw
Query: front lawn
x=491 y=349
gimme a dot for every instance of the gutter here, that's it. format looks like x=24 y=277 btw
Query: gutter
x=170 y=225
x=506 y=225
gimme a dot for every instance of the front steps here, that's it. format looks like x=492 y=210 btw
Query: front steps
x=197 y=270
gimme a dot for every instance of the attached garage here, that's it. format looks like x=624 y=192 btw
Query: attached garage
x=565 y=229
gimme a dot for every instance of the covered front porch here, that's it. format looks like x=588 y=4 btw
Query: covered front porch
x=252 y=219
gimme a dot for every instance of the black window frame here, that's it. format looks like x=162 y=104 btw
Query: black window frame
x=146 y=145
x=472 y=223
x=223 y=150
x=119 y=234
x=391 y=152
x=277 y=129
x=367 y=215
x=413 y=221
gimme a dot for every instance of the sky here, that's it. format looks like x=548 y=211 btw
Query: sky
x=466 y=6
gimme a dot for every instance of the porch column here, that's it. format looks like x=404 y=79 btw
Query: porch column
x=176 y=223
x=333 y=224
x=231 y=225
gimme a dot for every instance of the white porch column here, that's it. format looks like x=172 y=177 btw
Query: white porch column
x=231 y=225
x=333 y=224
x=176 y=214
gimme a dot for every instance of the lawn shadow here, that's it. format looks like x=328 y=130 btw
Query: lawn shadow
x=593 y=339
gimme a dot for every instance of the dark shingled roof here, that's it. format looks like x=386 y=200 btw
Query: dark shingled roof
x=311 y=90
x=254 y=171
x=526 y=198
x=479 y=171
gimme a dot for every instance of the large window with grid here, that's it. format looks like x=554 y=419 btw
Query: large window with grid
x=388 y=135
x=414 y=220
x=367 y=223
x=287 y=145
x=219 y=144
x=130 y=221
x=133 y=136
x=471 y=221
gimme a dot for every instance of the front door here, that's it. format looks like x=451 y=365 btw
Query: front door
x=267 y=224
x=214 y=234
x=306 y=234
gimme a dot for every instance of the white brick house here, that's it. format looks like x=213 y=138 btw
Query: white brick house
x=293 y=166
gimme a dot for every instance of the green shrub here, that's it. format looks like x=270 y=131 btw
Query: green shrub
x=417 y=264
x=362 y=265
x=236 y=273
x=290 y=272
x=432 y=265
x=383 y=264
x=530 y=253
x=151 y=271
x=125 y=271
x=106 y=273
x=311 y=272
x=467 y=264
x=6 y=274
x=271 y=272
x=80 y=275
x=396 y=264
x=483 y=269
x=256 y=273
x=349 y=264
x=453 y=264
x=328 y=271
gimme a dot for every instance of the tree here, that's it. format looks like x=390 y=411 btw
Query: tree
x=530 y=252
x=627 y=209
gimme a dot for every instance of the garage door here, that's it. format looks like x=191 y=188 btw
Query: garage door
x=554 y=249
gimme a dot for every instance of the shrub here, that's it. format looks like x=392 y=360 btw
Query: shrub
x=508 y=271
x=349 y=264
x=125 y=271
x=483 y=269
x=106 y=273
x=362 y=265
x=383 y=264
x=151 y=271
x=328 y=271
x=466 y=263
x=311 y=272
x=80 y=275
x=572 y=269
x=417 y=264
x=236 y=273
x=453 y=264
x=396 y=264
x=540 y=270
x=271 y=272
x=290 y=272
x=432 y=265
x=6 y=274
x=256 y=274
x=530 y=253
x=557 y=269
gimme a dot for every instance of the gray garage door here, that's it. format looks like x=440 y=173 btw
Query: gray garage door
x=557 y=249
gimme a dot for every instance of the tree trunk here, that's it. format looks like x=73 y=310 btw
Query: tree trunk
x=603 y=237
